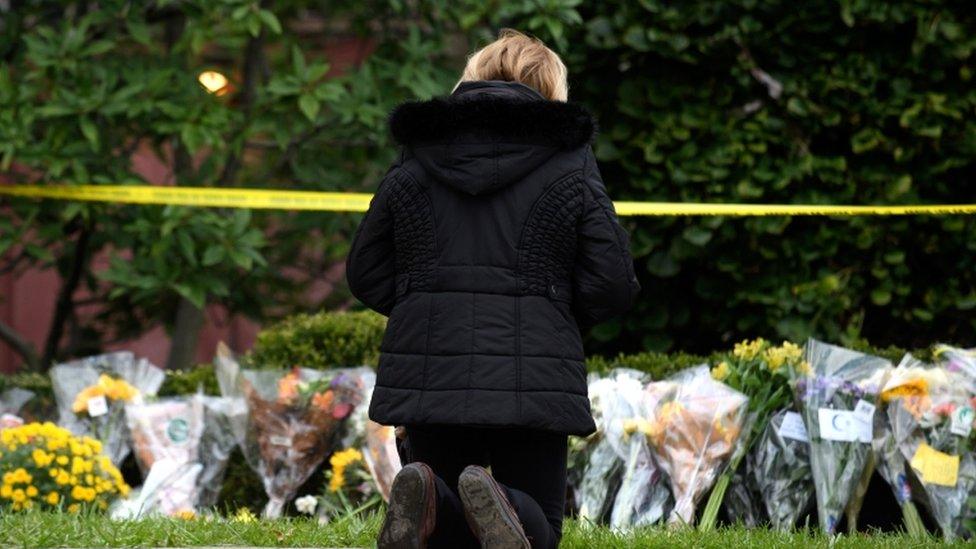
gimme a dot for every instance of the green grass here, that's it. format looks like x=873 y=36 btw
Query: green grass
x=58 y=530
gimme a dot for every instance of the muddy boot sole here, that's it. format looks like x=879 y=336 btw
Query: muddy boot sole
x=412 y=511
x=488 y=511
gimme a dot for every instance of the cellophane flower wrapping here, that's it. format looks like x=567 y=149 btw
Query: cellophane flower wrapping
x=838 y=400
x=762 y=371
x=779 y=468
x=928 y=408
x=295 y=418
x=376 y=442
x=181 y=445
x=596 y=465
x=91 y=395
x=694 y=433
x=11 y=401
x=643 y=497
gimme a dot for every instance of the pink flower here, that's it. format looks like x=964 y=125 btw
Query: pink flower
x=341 y=410
x=945 y=409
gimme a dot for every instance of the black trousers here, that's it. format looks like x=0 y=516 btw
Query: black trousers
x=529 y=464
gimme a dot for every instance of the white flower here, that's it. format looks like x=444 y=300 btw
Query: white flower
x=306 y=504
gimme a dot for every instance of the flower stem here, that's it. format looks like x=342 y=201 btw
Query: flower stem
x=710 y=515
x=913 y=522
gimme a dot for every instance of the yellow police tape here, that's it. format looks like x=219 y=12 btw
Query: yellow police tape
x=359 y=202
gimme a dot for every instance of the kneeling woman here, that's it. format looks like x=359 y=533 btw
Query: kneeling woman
x=488 y=243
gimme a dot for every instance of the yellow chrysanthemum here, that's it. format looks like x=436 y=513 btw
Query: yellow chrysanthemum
x=244 y=515
x=911 y=388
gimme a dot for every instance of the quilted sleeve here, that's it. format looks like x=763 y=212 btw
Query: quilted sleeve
x=371 y=265
x=604 y=281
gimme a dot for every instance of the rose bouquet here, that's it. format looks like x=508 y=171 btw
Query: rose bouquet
x=837 y=400
x=294 y=418
x=11 y=401
x=92 y=392
x=43 y=466
x=694 y=434
x=602 y=465
x=760 y=371
x=924 y=444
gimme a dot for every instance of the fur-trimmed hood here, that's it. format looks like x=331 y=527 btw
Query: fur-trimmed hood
x=488 y=134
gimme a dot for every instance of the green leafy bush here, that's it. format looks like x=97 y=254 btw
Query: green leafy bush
x=781 y=102
x=323 y=340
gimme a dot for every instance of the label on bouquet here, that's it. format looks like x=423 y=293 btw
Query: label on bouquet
x=280 y=441
x=864 y=410
x=97 y=406
x=178 y=430
x=844 y=426
x=935 y=467
x=962 y=421
x=793 y=427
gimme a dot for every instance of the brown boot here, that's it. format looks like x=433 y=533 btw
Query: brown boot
x=412 y=512
x=490 y=515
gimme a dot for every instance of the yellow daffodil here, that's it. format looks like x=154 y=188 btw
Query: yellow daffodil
x=748 y=350
x=721 y=371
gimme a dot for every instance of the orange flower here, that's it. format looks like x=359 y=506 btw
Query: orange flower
x=288 y=388
x=324 y=400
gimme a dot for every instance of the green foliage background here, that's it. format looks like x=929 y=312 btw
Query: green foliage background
x=851 y=102
x=824 y=102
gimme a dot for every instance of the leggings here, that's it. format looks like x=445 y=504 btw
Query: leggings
x=530 y=465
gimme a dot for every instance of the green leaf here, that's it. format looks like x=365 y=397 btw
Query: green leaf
x=880 y=297
x=309 y=106
x=193 y=294
x=89 y=130
x=186 y=247
x=663 y=265
x=254 y=26
x=697 y=235
x=139 y=31
x=270 y=21
x=213 y=255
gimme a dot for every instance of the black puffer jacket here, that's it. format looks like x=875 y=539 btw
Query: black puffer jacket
x=486 y=243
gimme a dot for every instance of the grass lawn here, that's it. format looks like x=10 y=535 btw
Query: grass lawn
x=59 y=530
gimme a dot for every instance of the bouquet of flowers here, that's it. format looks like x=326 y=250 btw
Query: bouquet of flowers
x=837 y=400
x=92 y=392
x=377 y=442
x=924 y=444
x=779 y=468
x=181 y=446
x=761 y=371
x=11 y=401
x=603 y=467
x=352 y=487
x=643 y=497
x=294 y=418
x=43 y=466
x=695 y=432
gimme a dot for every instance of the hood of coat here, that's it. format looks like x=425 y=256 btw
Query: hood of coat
x=488 y=134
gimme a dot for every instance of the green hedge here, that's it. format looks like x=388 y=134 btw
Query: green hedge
x=821 y=102
x=323 y=340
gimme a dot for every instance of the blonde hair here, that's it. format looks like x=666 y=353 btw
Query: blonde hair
x=515 y=57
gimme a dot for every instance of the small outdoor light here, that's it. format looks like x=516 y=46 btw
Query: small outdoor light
x=213 y=81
